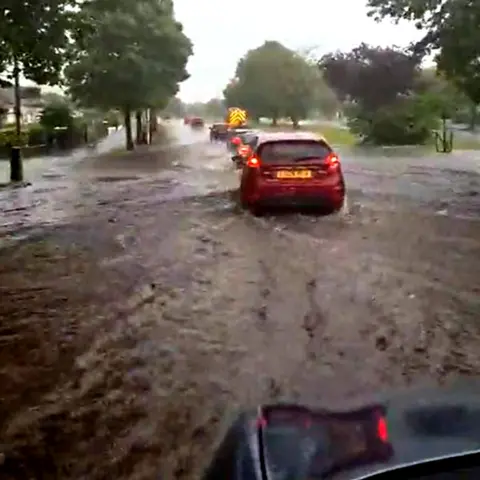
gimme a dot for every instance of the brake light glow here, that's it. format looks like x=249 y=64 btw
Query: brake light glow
x=382 y=431
x=332 y=160
x=253 y=162
x=236 y=141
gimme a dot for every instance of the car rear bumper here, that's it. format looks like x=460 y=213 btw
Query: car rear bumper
x=331 y=197
x=307 y=201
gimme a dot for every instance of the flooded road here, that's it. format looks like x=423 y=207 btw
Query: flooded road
x=146 y=309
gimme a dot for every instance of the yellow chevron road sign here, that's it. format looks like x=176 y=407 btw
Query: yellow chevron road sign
x=236 y=116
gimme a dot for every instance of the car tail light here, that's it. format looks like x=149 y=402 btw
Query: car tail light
x=382 y=431
x=253 y=162
x=332 y=161
x=236 y=141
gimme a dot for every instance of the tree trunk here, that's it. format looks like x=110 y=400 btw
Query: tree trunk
x=153 y=120
x=128 y=129
x=274 y=121
x=139 y=124
x=473 y=117
x=151 y=126
x=294 y=123
x=18 y=106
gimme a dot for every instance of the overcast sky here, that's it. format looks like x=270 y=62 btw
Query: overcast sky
x=218 y=44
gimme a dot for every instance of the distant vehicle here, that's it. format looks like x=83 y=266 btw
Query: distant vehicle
x=292 y=169
x=197 y=122
x=218 y=132
x=186 y=120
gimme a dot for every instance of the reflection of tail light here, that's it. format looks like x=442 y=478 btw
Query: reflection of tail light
x=244 y=151
x=253 y=162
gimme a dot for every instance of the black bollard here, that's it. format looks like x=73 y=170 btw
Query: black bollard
x=16 y=167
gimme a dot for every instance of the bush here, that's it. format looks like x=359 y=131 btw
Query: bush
x=57 y=114
x=8 y=138
x=113 y=119
x=409 y=121
x=37 y=135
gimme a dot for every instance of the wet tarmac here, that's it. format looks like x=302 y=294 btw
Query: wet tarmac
x=141 y=308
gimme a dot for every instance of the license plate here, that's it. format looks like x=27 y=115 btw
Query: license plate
x=294 y=174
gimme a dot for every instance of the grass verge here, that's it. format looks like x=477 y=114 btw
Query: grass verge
x=464 y=143
x=334 y=135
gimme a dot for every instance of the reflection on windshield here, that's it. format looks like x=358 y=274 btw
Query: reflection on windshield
x=290 y=451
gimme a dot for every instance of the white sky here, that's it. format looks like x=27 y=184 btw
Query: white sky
x=324 y=24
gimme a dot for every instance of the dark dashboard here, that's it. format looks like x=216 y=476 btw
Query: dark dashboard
x=416 y=436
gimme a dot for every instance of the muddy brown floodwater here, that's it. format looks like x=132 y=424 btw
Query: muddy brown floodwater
x=132 y=328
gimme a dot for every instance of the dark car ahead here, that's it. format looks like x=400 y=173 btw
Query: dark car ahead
x=292 y=169
x=218 y=132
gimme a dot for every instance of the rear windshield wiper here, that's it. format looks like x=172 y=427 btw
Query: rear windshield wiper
x=308 y=157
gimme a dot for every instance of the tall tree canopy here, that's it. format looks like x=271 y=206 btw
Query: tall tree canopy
x=273 y=81
x=389 y=98
x=33 y=41
x=372 y=76
x=451 y=28
x=128 y=56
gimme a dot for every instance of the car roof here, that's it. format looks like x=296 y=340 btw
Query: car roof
x=265 y=137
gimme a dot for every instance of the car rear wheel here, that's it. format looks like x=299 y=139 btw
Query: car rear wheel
x=256 y=210
x=333 y=209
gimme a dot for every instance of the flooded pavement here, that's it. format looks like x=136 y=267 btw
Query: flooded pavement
x=136 y=323
x=47 y=199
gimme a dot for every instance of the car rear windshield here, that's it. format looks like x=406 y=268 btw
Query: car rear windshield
x=290 y=151
x=249 y=139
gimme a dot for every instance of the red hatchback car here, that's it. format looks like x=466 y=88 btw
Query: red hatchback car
x=292 y=169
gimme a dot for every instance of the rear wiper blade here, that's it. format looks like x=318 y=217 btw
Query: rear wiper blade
x=308 y=157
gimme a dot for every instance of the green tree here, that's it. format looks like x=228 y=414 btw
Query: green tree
x=196 y=109
x=175 y=108
x=215 y=108
x=56 y=115
x=451 y=28
x=128 y=56
x=390 y=100
x=445 y=98
x=273 y=81
x=33 y=39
